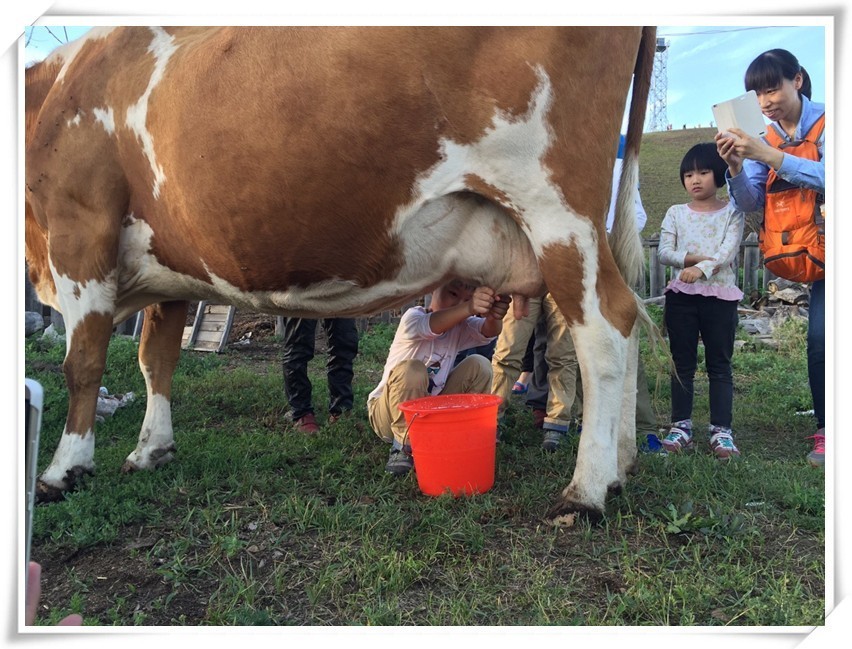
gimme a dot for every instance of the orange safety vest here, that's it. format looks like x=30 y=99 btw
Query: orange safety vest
x=792 y=237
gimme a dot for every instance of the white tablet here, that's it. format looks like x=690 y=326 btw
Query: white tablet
x=742 y=112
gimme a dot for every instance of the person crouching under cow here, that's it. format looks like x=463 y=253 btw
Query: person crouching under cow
x=420 y=360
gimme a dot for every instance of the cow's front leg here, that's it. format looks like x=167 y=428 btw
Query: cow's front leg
x=85 y=358
x=159 y=351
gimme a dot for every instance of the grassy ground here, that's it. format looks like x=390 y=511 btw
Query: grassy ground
x=253 y=524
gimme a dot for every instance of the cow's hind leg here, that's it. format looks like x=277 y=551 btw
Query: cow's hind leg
x=88 y=311
x=602 y=353
x=159 y=351
x=601 y=315
x=627 y=464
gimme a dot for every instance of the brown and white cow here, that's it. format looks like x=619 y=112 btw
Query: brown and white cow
x=333 y=171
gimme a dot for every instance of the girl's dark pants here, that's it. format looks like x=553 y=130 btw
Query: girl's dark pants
x=715 y=320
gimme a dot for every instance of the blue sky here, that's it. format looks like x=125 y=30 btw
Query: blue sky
x=704 y=63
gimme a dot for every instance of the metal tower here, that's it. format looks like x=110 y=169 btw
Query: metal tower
x=659 y=87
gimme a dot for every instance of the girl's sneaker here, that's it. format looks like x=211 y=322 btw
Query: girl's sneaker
x=816 y=457
x=679 y=438
x=722 y=443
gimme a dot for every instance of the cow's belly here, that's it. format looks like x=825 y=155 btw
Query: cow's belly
x=459 y=235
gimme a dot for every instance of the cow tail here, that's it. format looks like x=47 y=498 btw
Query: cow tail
x=624 y=240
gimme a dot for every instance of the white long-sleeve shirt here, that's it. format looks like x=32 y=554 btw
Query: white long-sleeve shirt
x=712 y=234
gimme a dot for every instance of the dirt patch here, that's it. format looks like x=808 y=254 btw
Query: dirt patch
x=251 y=326
x=110 y=574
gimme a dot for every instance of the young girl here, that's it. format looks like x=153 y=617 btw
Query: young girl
x=702 y=237
x=783 y=89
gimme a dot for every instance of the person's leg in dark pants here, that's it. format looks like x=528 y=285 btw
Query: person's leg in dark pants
x=718 y=329
x=718 y=324
x=342 y=336
x=299 y=337
x=681 y=321
x=539 y=389
x=816 y=350
x=816 y=368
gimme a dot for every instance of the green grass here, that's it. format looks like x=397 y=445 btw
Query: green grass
x=253 y=524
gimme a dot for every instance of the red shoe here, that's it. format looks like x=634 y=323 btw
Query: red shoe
x=538 y=417
x=306 y=424
x=816 y=457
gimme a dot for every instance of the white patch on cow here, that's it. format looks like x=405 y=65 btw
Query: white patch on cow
x=75 y=121
x=66 y=54
x=78 y=299
x=509 y=156
x=75 y=451
x=106 y=117
x=162 y=47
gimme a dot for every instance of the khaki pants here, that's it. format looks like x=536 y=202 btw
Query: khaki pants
x=560 y=355
x=646 y=419
x=409 y=380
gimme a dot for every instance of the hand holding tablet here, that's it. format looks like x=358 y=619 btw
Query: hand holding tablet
x=742 y=112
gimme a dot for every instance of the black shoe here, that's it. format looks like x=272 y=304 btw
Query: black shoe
x=399 y=462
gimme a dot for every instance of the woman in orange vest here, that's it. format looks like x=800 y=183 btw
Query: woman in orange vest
x=783 y=174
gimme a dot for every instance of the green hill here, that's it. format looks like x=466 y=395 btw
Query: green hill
x=659 y=171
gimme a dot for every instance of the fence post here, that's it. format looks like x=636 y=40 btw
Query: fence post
x=768 y=276
x=751 y=263
x=128 y=327
x=656 y=270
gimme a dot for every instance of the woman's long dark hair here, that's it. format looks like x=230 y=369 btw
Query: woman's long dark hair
x=770 y=68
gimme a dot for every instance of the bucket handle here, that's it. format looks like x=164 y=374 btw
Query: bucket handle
x=405 y=436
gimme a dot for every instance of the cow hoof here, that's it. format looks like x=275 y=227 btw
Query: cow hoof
x=155 y=458
x=48 y=493
x=160 y=456
x=615 y=488
x=129 y=467
x=565 y=513
x=45 y=493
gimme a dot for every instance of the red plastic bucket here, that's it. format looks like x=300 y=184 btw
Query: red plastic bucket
x=453 y=441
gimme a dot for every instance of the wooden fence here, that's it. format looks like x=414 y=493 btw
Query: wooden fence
x=751 y=275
